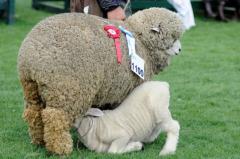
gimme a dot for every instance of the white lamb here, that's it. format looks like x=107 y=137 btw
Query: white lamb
x=139 y=119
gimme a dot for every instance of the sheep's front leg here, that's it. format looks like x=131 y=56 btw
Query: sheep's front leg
x=172 y=128
x=122 y=145
x=56 y=131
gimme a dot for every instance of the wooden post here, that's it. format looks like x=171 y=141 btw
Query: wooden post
x=10 y=11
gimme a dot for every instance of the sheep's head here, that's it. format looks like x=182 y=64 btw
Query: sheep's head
x=159 y=30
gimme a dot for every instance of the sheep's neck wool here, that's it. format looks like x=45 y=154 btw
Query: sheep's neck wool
x=114 y=33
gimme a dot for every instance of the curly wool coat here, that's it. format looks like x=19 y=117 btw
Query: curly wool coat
x=67 y=61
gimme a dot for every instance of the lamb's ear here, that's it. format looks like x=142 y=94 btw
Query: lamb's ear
x=94 y=112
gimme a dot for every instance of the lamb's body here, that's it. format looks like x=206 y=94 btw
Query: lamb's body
x=67 y=64
x=140 y=118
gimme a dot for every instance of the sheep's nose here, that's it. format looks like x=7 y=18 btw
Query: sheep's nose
x=180 y=50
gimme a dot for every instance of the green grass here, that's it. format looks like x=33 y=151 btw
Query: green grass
x=205 y=87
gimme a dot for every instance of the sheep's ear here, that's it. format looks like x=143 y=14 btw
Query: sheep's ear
x=156 y=29
x=95 y=112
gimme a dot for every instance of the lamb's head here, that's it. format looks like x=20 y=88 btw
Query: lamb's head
x=159 y=30
x=84 y=124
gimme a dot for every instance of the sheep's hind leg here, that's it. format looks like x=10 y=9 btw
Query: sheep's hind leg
x=172 y=128
x=32 y=111
x=56 y=131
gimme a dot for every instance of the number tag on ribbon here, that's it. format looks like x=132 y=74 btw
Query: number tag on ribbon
x=137 y=65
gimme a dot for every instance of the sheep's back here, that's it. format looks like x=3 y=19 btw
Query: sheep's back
x=73 y=51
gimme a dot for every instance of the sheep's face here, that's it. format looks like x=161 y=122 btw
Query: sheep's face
x=162 y=57
x=172 y=48
x=175 y=49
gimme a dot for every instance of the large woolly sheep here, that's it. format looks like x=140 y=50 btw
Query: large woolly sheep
x=140 y=118
x=67 y=64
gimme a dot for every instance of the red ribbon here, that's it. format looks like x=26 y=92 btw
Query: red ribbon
x=114 y=33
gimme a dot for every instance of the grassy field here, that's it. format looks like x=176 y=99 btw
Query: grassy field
x=205 y=87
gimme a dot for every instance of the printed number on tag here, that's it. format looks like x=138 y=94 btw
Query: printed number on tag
x=137 y=65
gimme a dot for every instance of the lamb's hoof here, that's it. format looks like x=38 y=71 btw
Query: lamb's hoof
x=166 y=152
x=138 y=146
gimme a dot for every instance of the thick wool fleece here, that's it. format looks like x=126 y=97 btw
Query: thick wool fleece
x=73 y=62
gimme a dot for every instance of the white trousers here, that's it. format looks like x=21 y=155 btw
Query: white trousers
x=185 y=11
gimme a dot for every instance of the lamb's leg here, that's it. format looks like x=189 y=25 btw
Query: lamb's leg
x=56 y=131
x=172 y=128
x=118 y=145
x=133 y=146
x=122 y=145
x=32 y=111
x=155 y=133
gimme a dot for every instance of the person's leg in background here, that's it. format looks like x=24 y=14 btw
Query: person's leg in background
x=208 y=9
